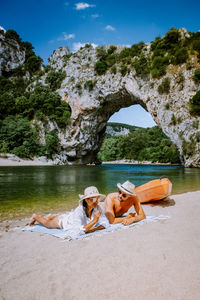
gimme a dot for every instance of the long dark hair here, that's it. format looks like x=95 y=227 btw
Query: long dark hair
x=85 y=207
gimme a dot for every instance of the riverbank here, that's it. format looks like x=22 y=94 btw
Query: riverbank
x=13 y=160
x=136 y=162
x=158 y=260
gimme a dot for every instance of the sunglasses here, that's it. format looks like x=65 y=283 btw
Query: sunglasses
x=93 y=199
x=123 y=195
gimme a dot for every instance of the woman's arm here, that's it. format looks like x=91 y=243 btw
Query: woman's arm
x=90 y=226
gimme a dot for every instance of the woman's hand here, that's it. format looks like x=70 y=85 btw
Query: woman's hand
x=90 y=226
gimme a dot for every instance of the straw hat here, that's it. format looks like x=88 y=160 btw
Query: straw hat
x=127 y=187
x=90 y=192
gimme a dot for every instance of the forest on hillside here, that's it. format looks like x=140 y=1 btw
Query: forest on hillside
x=142 y=144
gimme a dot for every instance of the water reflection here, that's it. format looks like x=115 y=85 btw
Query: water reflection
x=55 y=188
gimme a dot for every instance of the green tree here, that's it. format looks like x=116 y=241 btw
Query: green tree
x=18 y=136
x=12 y=34
x=142 y=144
x=33 y=64
x=52 y=143
x=100 y=67
x=112 y=149
x=55 y=78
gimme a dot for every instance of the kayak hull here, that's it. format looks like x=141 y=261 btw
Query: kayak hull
x=154 y=190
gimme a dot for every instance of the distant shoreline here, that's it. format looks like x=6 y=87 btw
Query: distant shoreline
x=22 y=162
x=136 y=162
x=10 y=160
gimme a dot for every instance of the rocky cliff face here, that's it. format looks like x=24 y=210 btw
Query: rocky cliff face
x=94 y=98
x=93 y=106
x=11 y=56
x=116 y=132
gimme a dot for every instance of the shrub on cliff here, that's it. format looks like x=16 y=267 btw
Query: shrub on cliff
x=112 y=49
x=180 y=56
x=100 y=67
x=123 y=69
x=90 y=84
x=196 y=76
x=164 y=87
x=12 y=34
x=141 y=66
x=33 y=64
x=136 y=49
x=55 y=78
x=159 y=65
x=168 y=42
x=195 y=104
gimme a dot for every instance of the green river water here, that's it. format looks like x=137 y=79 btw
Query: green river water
x=52 y=189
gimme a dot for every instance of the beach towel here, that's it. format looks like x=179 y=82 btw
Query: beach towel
x=65 y=235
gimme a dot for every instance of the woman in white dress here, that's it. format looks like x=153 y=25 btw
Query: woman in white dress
x=86 y=218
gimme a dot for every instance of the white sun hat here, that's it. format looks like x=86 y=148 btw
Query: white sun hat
x=127 y=187
x=90 y=192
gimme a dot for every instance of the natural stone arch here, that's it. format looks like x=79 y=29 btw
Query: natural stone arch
x=88 y=128
x=91 y=108
x=94 y=98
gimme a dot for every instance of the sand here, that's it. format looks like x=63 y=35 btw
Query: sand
x=158 y=260
x=22 y=162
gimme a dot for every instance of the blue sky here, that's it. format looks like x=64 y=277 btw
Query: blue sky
x=48 y=24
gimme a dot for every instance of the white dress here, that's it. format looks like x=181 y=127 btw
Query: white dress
x=75 y=220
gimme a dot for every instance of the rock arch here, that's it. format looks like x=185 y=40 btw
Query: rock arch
x=92 y=107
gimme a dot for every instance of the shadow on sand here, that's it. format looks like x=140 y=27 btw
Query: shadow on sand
x=163 y=203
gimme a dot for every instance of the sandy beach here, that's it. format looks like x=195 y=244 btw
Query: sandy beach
x=158 y=260
x=16 y=161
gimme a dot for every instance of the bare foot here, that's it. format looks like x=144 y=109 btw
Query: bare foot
x=32 y=220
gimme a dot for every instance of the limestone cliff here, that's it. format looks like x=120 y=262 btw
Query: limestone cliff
x=94 y=98
x=11 y=55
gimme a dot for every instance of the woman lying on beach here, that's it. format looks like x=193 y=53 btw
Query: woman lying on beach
x=86 y=218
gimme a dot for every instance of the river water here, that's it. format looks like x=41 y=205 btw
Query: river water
x=52 y=189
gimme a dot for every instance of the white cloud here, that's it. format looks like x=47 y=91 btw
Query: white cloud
x=77 y=46
x=110 y=28
x=81 y=5
x=95 y=16
x=66 y=37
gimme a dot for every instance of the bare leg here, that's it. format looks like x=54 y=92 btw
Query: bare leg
x=49 y=222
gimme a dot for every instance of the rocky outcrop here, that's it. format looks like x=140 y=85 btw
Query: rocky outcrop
x=11 y=56
x=92 y=105
x=94 y=98
x=120 y=131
